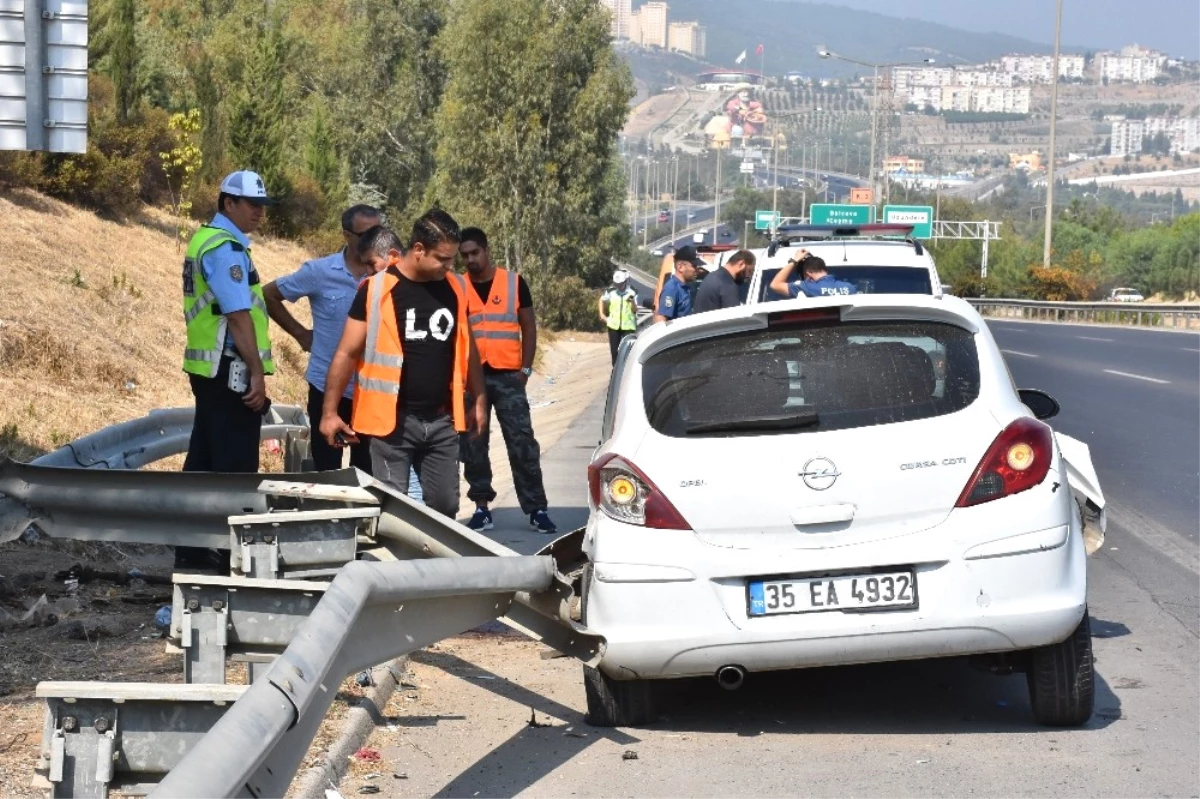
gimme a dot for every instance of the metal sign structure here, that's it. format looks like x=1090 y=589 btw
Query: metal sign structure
x=766 y=220
x=43 y=75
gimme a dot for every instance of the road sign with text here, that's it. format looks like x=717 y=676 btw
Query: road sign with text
x=919 y=216
x=766 y=220
x=831 y=214
x=861 y=196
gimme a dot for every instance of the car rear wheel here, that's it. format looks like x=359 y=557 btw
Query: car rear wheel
x=617 y=703
x=1062 y=679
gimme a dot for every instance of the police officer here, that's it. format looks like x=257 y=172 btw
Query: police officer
x=228 y=350
x=500 y=309
x=228 y=353
x=816 y=282
x=675 y=301
x=329 y=284
x=618 y=310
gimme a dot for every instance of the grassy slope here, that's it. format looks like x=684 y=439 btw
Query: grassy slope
x=91 y=327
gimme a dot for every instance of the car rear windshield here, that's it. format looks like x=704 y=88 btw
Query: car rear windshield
x=809 y=377
x=867 y=279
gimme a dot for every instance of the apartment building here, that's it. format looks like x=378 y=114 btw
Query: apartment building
x=1183 y=133
x=903 y=163
x=960 y=89
x=650 y=24
x=1132 y=64
x=1038 y=68
x=621 y=10
x=687 y=37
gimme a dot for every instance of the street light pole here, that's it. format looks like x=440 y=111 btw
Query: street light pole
x=1050 y=159
x=874 y=131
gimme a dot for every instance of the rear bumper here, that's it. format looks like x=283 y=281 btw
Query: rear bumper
x=665 y=620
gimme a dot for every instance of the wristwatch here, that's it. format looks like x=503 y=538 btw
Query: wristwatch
x=526 y=370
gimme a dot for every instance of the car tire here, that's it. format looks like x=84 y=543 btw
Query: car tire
x=1062 y=679
x=617 y=703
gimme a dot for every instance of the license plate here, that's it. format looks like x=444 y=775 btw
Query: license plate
x=840 y=592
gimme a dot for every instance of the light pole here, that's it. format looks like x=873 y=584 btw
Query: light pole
x=1050 y=159
x=746 y=234
x=874 y=100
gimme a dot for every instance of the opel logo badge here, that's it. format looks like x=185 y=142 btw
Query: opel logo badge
x=820 y=473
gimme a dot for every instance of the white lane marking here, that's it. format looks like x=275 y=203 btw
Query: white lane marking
x=1190 y=349
x=1022 y=354
x=1093 y=338
x=1136 y=377
x=1011 y=330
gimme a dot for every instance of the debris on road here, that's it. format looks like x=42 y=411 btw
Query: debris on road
x=629 y=755
x=367 y=755
x=533 y=722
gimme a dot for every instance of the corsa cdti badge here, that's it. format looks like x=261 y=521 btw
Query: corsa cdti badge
x=820 y=474
x=236 y=274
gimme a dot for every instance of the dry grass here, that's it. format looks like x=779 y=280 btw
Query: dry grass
x=91 y=331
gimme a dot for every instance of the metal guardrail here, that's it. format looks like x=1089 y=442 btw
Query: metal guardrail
x=186 y=740
x=161 y=434
x=1141 y=314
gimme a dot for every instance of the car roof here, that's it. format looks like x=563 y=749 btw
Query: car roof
x=852 y=252
x=855 y=307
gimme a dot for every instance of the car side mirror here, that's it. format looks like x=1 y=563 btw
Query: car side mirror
x=648 y=303
x=1042 y=404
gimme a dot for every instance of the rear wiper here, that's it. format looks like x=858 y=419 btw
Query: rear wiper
x=792 y=421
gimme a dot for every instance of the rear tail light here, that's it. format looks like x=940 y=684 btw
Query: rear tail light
x=622 y=492
x=814 y=316
x=1018 y=459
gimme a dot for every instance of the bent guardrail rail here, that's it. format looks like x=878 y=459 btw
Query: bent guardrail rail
x=369 y=614
x=1183 y=316
x=160 y=434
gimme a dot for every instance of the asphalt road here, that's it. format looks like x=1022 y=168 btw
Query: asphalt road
x=922 y=728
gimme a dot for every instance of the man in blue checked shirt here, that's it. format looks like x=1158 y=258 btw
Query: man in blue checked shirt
x=329 y=284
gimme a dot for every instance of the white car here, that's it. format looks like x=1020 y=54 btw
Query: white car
x=1125 y=295
x=832 y=481
x=874 y=266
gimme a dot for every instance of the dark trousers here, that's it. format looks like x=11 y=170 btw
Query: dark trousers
x=325 y=457
x=615 y=337
x=506 y=395
x=427 y=445
x=225 y=438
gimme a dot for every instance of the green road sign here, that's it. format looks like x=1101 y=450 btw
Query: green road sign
x=831 y=214
x=766 y=220
x=919 y=216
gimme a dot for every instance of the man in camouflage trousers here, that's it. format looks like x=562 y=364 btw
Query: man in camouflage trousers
x=500 y=311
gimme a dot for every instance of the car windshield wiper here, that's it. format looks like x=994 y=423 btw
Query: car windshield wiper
x=792 y=421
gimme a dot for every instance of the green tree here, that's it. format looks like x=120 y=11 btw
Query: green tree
x=116 y=48
x=527 y=134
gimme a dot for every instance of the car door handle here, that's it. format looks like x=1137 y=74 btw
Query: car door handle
x=823 y=514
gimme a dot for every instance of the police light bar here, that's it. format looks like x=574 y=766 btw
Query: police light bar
x=833 y=231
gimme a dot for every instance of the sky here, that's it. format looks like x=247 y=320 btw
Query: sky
x=1172 y=26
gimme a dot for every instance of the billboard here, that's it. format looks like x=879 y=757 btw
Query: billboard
x=744 y=119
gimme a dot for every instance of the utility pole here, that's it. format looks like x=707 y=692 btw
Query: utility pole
x=675 y=199
x=1053 y=121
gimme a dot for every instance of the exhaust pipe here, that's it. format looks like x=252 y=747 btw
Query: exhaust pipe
x=730 y=677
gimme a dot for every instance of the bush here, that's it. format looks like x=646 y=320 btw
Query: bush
x=565 y=303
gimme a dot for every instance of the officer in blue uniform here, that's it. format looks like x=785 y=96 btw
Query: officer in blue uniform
x=675 y=301
x=816 y=282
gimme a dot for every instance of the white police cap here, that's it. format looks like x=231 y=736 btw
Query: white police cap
x=248 y=185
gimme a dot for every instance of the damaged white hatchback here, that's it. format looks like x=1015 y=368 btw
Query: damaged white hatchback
x=831 y=481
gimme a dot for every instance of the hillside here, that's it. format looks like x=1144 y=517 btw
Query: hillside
x=91 y=331
x=793 y=31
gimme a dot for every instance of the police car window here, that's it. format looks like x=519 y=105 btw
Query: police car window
x=867 y=279
x=811 y=378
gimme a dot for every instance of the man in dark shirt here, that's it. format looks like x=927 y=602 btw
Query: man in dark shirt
x=720 y=288
x=437 y=355
x=501 y=313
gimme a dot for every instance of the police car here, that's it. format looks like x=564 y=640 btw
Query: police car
x=875 y=258
x=833 y=480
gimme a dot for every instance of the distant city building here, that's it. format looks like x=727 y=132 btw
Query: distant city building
x=1132 y=64
x=1037 y=68
x=982 y=88
x=903 y=163
x=621 y=11
x=650 y=24
x=1031 y=161
x=1183 y=133
x=724 y=79
x=687 y=37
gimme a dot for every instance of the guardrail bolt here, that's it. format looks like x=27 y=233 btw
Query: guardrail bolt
x=102 y=724
x=218 y=604
x=70 y=723
x=193 y=604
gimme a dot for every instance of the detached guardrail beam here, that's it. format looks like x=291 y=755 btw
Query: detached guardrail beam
x=371 y=613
